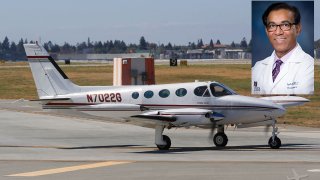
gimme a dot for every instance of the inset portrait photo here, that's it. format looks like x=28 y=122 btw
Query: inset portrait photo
x=282 y=47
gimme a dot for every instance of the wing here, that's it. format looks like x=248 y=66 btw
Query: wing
x=179 y=117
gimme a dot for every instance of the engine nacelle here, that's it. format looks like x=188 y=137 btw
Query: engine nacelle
x=214 y=116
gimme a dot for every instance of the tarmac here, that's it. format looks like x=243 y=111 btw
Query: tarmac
x=43 y=145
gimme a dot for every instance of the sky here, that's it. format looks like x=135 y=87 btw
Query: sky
x=159 y=21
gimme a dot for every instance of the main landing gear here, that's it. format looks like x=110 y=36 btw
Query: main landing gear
x=220 y=139
x=163 y=142
x=274 y=142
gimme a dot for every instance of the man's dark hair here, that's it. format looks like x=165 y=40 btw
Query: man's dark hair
x=278 y=6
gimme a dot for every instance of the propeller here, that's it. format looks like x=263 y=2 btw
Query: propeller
x=212 y=129
x=214 y=118
x=267 y=129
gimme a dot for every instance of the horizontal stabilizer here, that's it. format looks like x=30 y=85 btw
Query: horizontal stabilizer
x=51 y=99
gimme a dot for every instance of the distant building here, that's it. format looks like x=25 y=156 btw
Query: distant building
x=195 y=53
x=108 y=57
x=200 y=54
x=237 y=54
x=169 y=54
x=220 y=51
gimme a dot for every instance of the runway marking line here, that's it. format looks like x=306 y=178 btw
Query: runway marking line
x=69 y=169
x=314 y=170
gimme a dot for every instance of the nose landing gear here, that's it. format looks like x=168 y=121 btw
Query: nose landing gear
x=274 y=142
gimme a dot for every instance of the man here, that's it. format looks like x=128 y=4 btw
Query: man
x=289 y=70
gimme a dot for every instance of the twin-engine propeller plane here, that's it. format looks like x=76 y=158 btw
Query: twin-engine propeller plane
x=210 y=105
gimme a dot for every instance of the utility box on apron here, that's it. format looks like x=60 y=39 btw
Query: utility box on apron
x=133 y=71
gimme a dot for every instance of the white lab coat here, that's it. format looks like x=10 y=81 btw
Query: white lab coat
x=296 y=75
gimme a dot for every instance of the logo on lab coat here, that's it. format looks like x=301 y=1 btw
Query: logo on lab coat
x=292 y=85
x=255 y=86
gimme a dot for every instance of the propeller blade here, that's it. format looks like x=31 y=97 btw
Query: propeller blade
x=213 y=127
x=267 y=129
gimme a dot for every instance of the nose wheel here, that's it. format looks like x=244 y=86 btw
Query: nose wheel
x=274 y=142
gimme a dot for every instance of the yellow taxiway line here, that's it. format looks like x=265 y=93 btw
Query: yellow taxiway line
x=70 y=168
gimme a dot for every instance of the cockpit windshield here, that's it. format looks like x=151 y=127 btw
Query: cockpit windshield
x=219 y=90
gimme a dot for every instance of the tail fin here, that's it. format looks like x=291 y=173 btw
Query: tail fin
x=50 y=80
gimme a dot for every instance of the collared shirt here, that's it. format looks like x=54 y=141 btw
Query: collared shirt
x=284 y=58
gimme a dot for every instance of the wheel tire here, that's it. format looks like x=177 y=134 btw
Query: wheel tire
x=220 y=139
x=276 y=144
x=168 y=143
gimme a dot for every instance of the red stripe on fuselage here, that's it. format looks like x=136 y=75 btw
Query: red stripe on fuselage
x=166 y=105
x=70 y=104
x=37 y=57
x=197 y=105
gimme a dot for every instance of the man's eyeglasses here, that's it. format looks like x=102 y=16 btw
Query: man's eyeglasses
x=283 y=26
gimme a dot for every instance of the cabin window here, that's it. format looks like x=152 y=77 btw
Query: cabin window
x=135 y=95
x=202 y=91
x=148 y=94
x=164 y=93
x=181 y=92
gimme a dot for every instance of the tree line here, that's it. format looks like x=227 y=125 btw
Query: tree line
x=15 y=51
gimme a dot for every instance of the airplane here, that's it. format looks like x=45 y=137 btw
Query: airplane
x=208 y=105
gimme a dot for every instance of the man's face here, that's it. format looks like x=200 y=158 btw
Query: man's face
x=282 y=41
